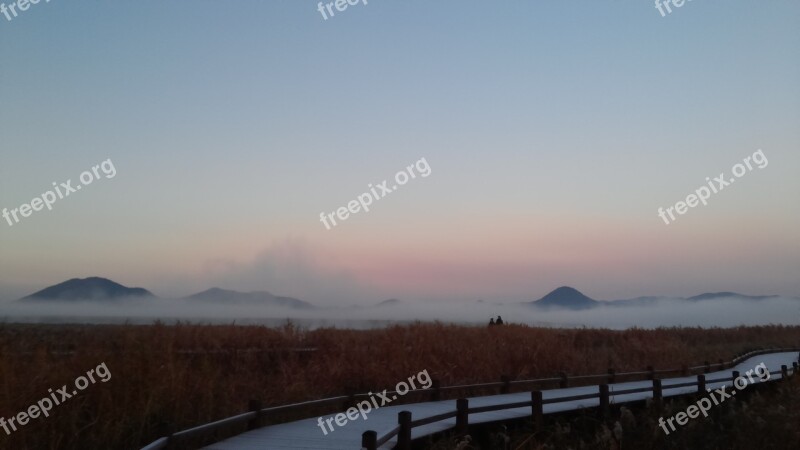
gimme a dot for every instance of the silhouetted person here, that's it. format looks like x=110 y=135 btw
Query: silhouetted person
x=491 y=322
x=499 y=320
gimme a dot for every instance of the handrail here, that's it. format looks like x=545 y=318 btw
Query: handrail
x=436 y=418
x=167 y=441
x=631 y=391
x=679 y=385
x=219 y=423
x=571 y=398
x=490 y=408
x=388 y=436
x=603 y=395
x=157 y=445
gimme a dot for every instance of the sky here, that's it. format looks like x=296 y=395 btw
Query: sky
x=553 y=131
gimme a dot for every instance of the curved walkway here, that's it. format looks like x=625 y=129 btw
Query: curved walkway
x=306 y=434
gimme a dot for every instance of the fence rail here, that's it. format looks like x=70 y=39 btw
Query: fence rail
x=371 y=440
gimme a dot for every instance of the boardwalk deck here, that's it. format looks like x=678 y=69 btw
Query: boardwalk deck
x=306 y=434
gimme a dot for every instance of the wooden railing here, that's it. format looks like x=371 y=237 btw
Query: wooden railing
x=370 y=439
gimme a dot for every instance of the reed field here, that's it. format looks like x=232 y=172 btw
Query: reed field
x=170 y=377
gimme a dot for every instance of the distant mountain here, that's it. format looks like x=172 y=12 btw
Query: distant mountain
x=390 y=302
x=565 y=297
x=94 y=288
x=718 y=295
x=569 y=298
x=224 y=296
x=653 y=300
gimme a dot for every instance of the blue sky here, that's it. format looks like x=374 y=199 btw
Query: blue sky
x=555 y=130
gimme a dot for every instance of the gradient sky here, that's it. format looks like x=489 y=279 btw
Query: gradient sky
x=554 y=130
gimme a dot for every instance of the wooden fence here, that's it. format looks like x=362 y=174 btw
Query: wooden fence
x=371 y=441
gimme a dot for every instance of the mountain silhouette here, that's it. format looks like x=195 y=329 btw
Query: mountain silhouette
x=93 y=288
x=717 y=295
x=217 y=295
x=390 y=302
x=565 y=297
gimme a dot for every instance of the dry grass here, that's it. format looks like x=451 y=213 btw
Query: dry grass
x=174 y=377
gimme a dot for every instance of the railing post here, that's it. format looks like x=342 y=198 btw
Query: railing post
x=255 y=406
x=564 y=382
x=612 y=376
x=349 y=393
x=657 y=392
x=794 y=368
x=436 y=392
x=784 y=372
x=651 y=373
x=537 y=409
x=404 y=435
x=369 y=440
x=603 y=400
x=506 y=387
x=462 y=416
x=701 y=384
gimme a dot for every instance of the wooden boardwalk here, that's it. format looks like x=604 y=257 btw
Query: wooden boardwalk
x=306 y=434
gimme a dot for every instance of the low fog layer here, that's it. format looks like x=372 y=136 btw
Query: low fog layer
x=722 y=312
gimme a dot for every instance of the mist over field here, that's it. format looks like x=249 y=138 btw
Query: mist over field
x=663 y=312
